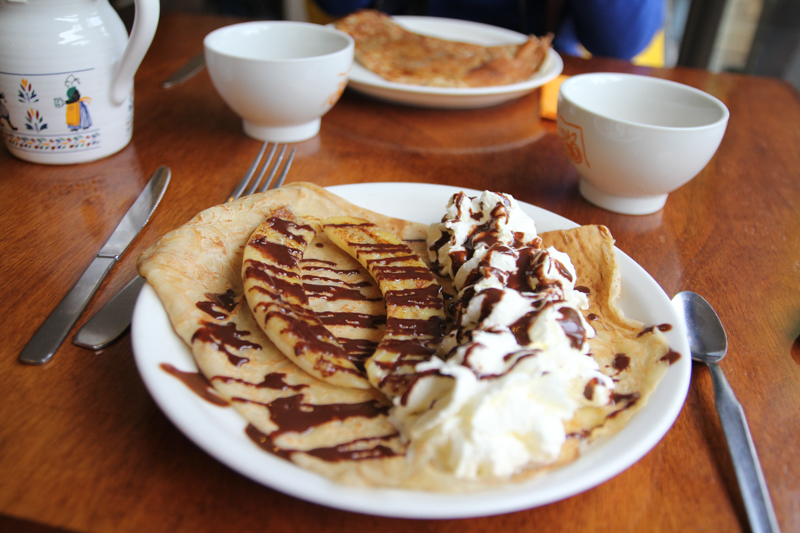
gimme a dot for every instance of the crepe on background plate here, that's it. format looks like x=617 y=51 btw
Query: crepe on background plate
x=398 y=55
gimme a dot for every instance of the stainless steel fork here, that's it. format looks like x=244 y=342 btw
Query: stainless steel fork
x=255 y=185
x=114 y=318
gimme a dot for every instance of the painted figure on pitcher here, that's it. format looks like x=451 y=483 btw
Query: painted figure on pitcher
x=4 y=115
x=78 y=117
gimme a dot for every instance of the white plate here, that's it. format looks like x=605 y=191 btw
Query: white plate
x=368 y=82
x=221 y=431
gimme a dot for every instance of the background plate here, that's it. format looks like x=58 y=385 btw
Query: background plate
x=220 y=431
x=368 y=82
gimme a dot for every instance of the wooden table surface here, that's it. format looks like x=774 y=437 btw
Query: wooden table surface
x=83 y=446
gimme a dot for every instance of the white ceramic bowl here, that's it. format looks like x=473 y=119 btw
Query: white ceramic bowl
x=634 y=139
x=279 y=76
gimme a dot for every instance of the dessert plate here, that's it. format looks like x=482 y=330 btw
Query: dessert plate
x=220 y=431
x=369 y=83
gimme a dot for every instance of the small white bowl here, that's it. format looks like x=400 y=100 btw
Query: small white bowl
x=279 y=76
x=634 y=139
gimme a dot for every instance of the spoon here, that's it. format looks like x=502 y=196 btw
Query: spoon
x=709 y=344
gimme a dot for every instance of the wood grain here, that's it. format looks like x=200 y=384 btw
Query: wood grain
x=83 y=446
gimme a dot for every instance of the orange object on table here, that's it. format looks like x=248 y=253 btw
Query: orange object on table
x=549 y=98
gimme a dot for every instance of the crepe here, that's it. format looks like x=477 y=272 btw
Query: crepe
x=275 y=292
x=401 y=56
x=342 y=433
x=634 y=355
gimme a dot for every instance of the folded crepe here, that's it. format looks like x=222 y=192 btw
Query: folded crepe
x=398 y=55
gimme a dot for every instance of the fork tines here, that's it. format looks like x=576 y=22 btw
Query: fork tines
x=255 y=185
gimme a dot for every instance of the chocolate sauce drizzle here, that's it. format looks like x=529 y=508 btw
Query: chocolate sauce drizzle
x=290 y=414
x=588 y=391
x=336 y=292
x=358 y=351
x=424 y=297
x=354 y=320
x=280 y=254
x=218 y=306
x=357 y=450
x=332 y=289
x=351 y=285
x=276 y=282
x=351 y=451
x=628 y=399
x=671 y=357
x=621 y=362
x=273 y=380
x=226 y=337
x=573 y=327
x=197 y=383
x=411 y=352
x=660 y=327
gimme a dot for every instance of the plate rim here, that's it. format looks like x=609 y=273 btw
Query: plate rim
x=399 y=503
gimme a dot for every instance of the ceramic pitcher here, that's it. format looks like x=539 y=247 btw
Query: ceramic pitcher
x=66 y=77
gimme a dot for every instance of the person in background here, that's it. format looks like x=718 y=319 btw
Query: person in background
x=609 y=28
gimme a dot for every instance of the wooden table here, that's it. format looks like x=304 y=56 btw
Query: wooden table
x=83 y=446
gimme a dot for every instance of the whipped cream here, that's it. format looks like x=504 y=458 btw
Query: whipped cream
x=471 y=225
x=515 y=367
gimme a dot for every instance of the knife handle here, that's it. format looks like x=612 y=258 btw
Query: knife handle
x=111 y=320
x=51 y=334
x=192 y=67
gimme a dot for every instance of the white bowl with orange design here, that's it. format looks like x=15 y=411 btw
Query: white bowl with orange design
x=634 y=139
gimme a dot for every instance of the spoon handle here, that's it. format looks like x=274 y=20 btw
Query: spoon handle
x=752 y=485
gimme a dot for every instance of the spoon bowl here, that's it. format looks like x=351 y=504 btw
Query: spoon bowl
x=707 y=338
x=708 y=343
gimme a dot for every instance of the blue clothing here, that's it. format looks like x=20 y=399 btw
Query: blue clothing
x=85 y=119
x=609 y=28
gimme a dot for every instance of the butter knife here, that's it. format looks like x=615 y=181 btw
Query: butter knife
x=106 y=327
x=192 y=67
x=51 y=333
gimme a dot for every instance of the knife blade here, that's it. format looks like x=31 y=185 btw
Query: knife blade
x=192 y=67
x=106 y=327
x=44 y=343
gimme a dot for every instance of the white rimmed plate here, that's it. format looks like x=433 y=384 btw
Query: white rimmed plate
x=221 y=431
x=371 y=84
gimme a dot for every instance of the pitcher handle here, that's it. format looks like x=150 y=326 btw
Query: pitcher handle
x=144 y=28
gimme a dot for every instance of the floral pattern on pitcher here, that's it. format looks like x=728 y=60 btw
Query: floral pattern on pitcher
x=25 y=93
x=79 y=141
x=34 y=121
x=36 y=135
